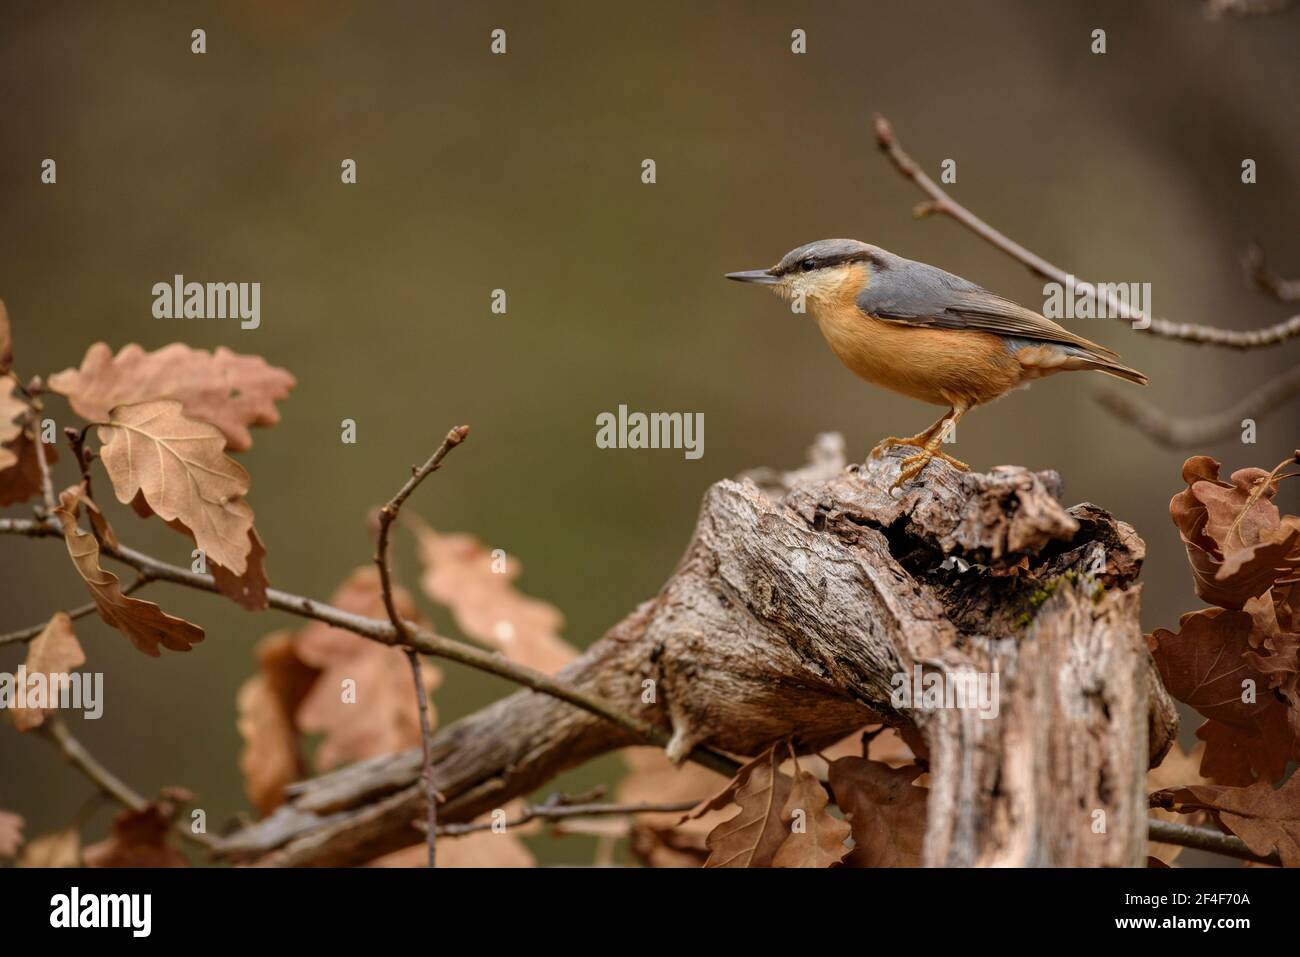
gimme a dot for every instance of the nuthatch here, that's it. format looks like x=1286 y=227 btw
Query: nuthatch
x=926 y=333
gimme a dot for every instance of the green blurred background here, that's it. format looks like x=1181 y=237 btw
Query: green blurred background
x=523 y=172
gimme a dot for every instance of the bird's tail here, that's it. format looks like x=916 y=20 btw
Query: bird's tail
x=1117 y=370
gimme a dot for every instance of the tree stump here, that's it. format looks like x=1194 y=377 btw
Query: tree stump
x=803 y=601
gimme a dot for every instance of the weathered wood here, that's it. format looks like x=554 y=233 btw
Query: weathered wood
x=800 y=598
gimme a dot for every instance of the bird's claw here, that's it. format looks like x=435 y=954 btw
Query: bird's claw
x=887 y=443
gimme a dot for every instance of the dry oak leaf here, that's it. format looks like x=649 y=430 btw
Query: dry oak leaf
x=753 y=836
x=177 y=464
x=1242 y=756
x=75 y=496
x=1204 y=665
x=247 y=590
x=1276 y=652
x=55 y=651
x=363 y=701
x=12 y=407
x=477 y=585
x=225 y=389
x=885 y=809
x=147 y=625
x=22 y=481
x=6 y=340
x=1267 y=819
x=1236 y=541
x=140 y=838
x=56 y=849
x=11 y=833
x=1208 y=665
x=816 y=837
x=265 y=707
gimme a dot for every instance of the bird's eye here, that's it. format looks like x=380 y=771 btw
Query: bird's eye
x=807 y=265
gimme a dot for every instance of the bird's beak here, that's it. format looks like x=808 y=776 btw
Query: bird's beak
x=760 y=276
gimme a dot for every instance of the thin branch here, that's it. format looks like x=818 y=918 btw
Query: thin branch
x=1206 y=839
x=556 y=811
x=1175 y=432
x=1259 y=277
x=55 y=730
x=941 y=202
x=421 y=639
x=387 y=516
x=27 y=634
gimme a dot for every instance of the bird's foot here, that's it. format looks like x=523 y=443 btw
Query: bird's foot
x=913 y=465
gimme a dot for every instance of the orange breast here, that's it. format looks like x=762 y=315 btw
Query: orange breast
x=940 y=366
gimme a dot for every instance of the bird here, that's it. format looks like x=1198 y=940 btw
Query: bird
x=925 y=333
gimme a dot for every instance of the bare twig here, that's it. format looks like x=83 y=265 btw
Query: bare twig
x=554 y=810
x=941 y=202
x=55 y=729
x=1259 y=277
x=420 y=639
x=27 y=634
x=387 y=516
x=1176 y=432
x=1206 y=839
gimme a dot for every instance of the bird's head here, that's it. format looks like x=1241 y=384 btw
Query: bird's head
x=819 y=272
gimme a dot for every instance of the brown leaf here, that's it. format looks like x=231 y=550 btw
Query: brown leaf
x=1276 y=650
x=141 y=838
x=265 y=707
x=376 y=713
x=1202 y=665
x=885 y=809
x=752 y=837
x=177 y=464
x=6 y=340
x=55 y=651
x=1242 y=756
x=815 y=836
x=227 y=390
x=22 y=481
x=75 y=496
x=249 y=589
x=459 y=573
x=11 y=833
x=1236 y=542
x=143 y=622
x=1267 y=819
x=56 y=849
x=12 y=409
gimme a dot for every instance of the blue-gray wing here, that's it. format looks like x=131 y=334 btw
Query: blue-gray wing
x=918 y=294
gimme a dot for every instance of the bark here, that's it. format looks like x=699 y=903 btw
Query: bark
x=800 y=598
